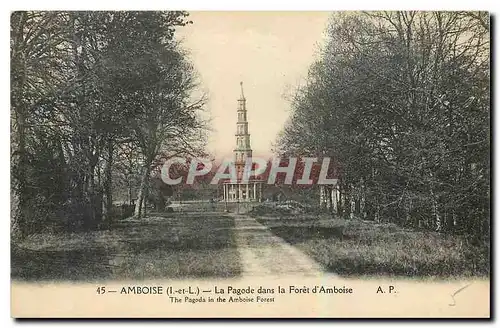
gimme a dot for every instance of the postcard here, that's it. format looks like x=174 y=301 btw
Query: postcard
x=171 y=164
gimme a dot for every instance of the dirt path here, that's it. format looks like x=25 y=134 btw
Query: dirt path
x=178 y=246
x=263 y=253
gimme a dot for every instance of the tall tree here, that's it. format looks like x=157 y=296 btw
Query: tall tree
x=38 y=48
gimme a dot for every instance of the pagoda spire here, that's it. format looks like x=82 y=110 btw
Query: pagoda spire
x=243 y=149
x=242 y=97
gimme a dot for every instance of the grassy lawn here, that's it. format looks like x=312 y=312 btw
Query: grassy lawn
x=176 y=245
x=358 y=248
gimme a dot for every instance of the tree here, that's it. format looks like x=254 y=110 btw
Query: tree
x=401 y=101
x=91 y=92
x=155 y=89
x=37 y=50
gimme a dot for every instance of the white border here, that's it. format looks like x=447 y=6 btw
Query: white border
x=255 y=5
x=309 y=5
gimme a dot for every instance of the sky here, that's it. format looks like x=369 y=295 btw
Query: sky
x=270 y=52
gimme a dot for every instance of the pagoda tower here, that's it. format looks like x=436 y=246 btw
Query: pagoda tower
x=243 y=149
x=250 y=191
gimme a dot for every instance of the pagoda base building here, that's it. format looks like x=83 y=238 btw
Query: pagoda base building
x=243 y=192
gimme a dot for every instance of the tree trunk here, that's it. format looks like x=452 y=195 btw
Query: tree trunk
x=334 y=200
x=90 y=195
x=322 y=196
x=142 y=192
x=328 y=191
x=19 y=226
x=435 y=211
x=377 y=210
x=18 y=156
x=129 y=192
x=108 y=190
x=340 y=205
x=362 y=201
x=408 y=206
x=352 y=203
x=435 y=207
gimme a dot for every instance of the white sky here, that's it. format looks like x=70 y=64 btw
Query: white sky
x=269 y=51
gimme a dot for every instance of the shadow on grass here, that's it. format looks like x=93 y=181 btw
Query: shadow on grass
x=181 y=243
x=71 y=265
x=419 y=268
x=354 y=248
x=294 y=235
x=176 y=247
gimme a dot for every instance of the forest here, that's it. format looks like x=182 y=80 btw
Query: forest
x=401 y=101
x=397 y=104
x=98 y=100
